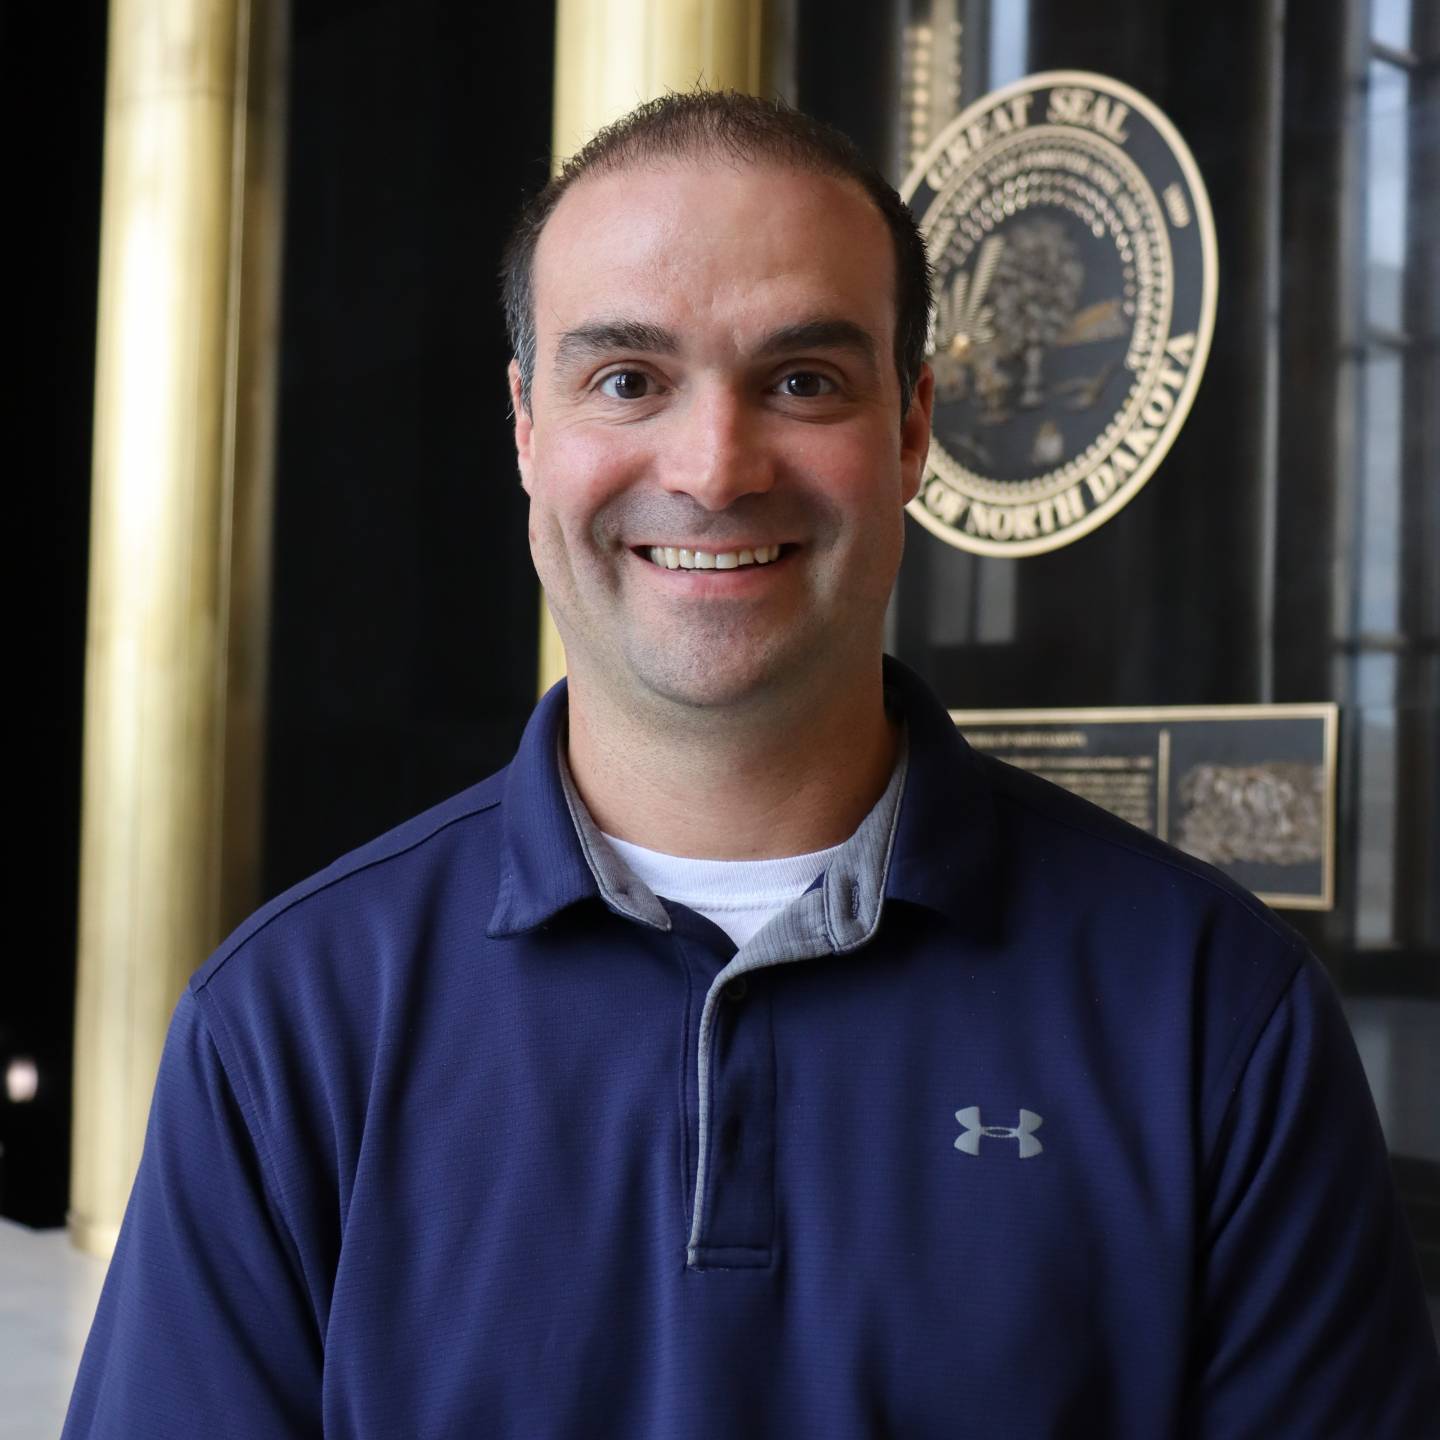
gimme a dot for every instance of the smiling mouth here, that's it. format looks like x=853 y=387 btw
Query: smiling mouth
x=680 y=557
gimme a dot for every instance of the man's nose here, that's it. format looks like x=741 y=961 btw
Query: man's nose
x=720 y=452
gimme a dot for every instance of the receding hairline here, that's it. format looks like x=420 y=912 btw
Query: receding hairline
x=696 y=160
x=714 y=156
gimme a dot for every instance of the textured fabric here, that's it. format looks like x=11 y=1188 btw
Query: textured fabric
x=1020 y=1124
x=740 y=896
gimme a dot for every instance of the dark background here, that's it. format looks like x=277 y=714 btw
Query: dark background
x=405 y=612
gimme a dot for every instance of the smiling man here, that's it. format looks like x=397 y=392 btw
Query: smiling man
x=718 y=446
x=749 y=1058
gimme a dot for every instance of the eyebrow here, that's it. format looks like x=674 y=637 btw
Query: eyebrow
x=820 y=335
x=606 y=336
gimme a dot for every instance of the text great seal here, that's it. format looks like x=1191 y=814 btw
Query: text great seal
x=1075 y=283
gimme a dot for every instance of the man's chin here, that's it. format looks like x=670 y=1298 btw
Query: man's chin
x=734 y=683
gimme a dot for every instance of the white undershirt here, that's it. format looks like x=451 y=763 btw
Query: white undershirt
x=738 y=895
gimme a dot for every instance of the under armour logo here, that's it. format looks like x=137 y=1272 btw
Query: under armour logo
x=1024 y=1132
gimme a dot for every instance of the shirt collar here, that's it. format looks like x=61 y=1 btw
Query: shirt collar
x=940 y=854
x=946 y=848
x=542 y=865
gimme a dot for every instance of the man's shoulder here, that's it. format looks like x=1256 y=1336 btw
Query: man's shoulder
x=379 y=884
x=1000 y=836
x=1115 y=860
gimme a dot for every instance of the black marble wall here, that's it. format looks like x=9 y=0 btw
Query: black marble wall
x=406 y=611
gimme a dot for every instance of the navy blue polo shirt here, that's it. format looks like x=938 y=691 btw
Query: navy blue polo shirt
x=1018 y=1124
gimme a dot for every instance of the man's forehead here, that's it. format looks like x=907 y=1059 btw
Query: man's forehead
x=686 y=180
x=711 y=226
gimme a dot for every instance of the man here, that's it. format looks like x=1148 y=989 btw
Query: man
x=750 y=1058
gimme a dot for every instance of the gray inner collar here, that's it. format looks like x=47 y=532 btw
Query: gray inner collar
x=620 y=888
x=840 y=915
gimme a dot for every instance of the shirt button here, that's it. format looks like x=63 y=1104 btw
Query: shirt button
x=736 y=989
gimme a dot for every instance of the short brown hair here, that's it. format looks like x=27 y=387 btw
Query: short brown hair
x=745 y=128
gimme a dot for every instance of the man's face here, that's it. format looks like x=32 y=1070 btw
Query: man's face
x=714 y=384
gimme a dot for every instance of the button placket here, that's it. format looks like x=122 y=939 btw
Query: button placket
x=736 y=1218
x=702 y=962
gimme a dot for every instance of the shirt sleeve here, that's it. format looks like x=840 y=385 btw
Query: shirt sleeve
x=1313 y=1319
x=204 y=1327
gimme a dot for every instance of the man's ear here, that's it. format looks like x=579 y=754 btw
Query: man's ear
x=524 y=429
x=915 y=434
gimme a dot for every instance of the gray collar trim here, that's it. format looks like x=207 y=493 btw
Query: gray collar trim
x=843 y=912
x=839 y=915
x=620 y=888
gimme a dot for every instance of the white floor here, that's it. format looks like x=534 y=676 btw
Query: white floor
x=48 y=1293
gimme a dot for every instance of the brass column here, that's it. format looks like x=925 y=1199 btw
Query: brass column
x=180 y=543
x=612 y=54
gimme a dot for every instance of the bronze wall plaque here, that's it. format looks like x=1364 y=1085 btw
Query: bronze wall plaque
x=1075 y=283
x=1248 y=788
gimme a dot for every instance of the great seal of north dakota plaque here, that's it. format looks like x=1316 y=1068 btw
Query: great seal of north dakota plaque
x=1075 y=281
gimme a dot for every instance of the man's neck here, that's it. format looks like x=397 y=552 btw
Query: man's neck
x=759 y=788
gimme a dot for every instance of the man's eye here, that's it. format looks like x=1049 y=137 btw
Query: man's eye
x=806 y=385
x=626 y=385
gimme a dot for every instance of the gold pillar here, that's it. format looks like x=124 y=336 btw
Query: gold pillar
x=612 y=54
x=179 y=546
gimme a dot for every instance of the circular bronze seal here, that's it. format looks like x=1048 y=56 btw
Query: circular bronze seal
x=1075 y=281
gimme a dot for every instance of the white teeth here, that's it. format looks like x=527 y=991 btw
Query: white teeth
x=672 y=557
